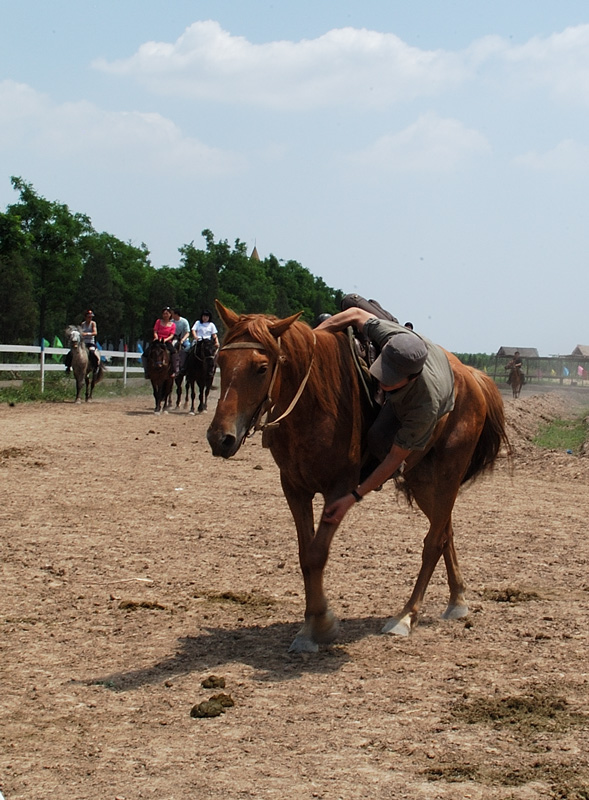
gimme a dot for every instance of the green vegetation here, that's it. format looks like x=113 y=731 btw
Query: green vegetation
x=53 y=265
x=60 y=389
x=564 y=434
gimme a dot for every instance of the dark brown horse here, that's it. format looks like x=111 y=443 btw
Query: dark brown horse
x=201 y=364
x=306 y=382
x=516 y=380
x=158 y=370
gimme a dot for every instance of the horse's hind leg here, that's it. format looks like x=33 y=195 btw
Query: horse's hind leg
x=457 y=607
x=437 y=504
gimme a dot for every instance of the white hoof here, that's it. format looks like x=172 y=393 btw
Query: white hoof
x=303 y=644
x=455 y=612
x=400 y=627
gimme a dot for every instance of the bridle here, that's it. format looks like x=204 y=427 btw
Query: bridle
x=267 y=405
x=206 y=356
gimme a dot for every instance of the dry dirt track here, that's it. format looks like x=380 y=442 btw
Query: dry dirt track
x=134 y=565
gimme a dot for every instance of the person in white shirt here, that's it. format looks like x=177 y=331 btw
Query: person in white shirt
x=204 y=328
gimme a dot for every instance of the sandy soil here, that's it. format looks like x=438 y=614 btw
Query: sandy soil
x=135 y=565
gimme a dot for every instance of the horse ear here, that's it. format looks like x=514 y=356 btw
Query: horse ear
x=278 y=328
x=229 y=317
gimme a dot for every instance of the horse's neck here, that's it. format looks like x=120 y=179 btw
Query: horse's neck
x=331 y=387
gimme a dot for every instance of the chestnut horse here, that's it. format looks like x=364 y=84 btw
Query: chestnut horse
x=305 y=384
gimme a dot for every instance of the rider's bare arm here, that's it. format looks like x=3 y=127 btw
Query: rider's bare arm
x=351 y=316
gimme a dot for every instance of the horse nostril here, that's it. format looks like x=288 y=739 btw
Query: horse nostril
x=228 y=442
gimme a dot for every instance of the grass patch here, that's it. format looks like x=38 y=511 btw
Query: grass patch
x=564 y=434
x=62 y=389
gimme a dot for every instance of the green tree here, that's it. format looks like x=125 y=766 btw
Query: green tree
x=18 y=309
x=55 y=250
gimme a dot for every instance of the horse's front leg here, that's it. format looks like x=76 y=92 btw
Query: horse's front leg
x=320 y=625
x=157 y=399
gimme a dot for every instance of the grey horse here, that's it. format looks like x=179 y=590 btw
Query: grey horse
x=82 y=366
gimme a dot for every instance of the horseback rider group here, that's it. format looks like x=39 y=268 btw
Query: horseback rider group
x=174 y=331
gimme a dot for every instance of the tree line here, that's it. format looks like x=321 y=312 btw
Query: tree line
x=54 y=265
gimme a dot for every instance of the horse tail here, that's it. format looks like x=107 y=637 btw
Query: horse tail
x=493 y=435
x=99 y=372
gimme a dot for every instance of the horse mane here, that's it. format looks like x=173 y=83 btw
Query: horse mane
x=332 y=357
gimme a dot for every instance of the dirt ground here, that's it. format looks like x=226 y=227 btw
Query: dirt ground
x=135 y=565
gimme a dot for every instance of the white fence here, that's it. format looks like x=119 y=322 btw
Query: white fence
x=42 y=364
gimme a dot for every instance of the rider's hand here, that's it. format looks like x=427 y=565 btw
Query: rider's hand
x=336 y=511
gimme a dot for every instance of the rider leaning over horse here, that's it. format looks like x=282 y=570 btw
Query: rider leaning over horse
x=89 y=334
x=418 y=384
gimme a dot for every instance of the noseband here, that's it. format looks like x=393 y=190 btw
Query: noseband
x=267 y=405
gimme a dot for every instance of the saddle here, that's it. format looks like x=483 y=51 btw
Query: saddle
x=365 y=349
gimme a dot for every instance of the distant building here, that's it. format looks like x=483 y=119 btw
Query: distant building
x=525 y=352
x=254 y=256
x=581 y=350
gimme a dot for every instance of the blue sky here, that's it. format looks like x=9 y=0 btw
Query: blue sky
x=433 y=155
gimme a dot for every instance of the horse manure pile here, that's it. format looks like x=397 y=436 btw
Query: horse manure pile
x=216 y=704
x=133 y=605
x=564 y=780
x=252 y=599
x=27 y=455
x=213 y=682
x=537 y=710
x=509 y=595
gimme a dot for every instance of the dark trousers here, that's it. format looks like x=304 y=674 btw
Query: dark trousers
x=382 y=432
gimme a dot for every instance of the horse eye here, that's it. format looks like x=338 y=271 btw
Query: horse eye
x=263 y=368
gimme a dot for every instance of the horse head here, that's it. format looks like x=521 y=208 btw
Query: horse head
x=73 y=336
x=248 y=359
x=158 y=357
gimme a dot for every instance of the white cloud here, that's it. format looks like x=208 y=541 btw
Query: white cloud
x=567 y=156
x=559 y=62
x=129 y=141
x=349 y=66
x=343 y=66
x=431 y=144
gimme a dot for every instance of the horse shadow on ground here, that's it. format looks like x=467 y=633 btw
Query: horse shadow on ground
x=264 y=648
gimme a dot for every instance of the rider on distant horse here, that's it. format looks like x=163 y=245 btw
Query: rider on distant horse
x=515 y=364
x=181 y=338
x=89 y=334
x=164 y=330
x=205 y=328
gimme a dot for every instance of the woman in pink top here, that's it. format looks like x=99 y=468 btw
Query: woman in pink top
x=165 y=327
x=164 y=330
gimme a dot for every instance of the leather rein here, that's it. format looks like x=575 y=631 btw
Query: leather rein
x=267 y=405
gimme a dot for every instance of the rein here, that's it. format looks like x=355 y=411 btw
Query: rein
x=267 y=405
